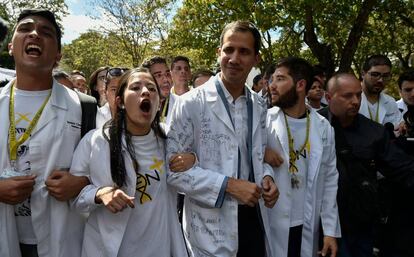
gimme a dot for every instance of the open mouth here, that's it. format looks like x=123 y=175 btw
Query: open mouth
x=145 y=106
x=33 y=50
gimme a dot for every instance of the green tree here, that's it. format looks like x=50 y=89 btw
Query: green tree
x=339 y=34
x=92 y=50
x=136 y=23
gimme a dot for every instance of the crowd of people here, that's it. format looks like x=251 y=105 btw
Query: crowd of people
x=166 y=163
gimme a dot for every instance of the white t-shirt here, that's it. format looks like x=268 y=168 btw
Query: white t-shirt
x=26 y=104
x=373 y=109
x=103 y=115
x=298 y=131
x=148 y=227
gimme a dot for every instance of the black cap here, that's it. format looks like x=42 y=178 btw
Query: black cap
x=48 y=15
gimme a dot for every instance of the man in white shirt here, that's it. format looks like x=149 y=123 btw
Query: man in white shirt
x=181 y=75
x=223 y=123
x=308 y=178
x=406 y=88
x=40 y=126
x=162 y=74
x=376 y=105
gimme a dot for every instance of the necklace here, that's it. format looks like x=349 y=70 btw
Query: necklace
x=377 y=113
x=293 y=155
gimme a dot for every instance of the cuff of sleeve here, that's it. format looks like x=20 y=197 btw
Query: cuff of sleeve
x=86 y=199
x=196 y=159
x=222 y=193
x=268 y=171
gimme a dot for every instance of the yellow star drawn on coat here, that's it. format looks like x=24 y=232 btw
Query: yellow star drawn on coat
x=23 y=116
x=158 y=165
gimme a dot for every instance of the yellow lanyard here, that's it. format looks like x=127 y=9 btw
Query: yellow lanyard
x=164 y=110
x=376 y=115
x=293 y=169
x=13 y=143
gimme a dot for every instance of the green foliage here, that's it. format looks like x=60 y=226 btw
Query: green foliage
x=92 y=50
x=136 y=23
x=198 y=23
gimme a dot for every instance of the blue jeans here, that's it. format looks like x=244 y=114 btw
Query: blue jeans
x=356 y=245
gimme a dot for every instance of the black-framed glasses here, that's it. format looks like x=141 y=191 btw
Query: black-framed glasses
x=377 y=75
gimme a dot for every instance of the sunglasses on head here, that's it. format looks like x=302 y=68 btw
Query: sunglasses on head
x=115 y=72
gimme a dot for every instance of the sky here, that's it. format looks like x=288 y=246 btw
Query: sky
x=77 y=21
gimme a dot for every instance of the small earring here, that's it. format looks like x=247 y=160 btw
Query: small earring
x=123 y=107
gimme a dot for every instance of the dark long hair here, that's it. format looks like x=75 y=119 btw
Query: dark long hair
x=117 y=128
x=93 y=81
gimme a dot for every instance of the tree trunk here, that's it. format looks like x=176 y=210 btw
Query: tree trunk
x=355 y=35
x=323 y=52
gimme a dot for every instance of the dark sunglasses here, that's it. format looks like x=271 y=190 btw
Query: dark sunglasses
x=115 y=72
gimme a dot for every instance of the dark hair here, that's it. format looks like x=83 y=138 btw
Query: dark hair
x=256 y=79
x=319 y=70
x=59 y=74
x=407 y=75
x=298 y=69
x=93 y=80
x=201 y=73
x=243 y=26
x=48 y=15
x=269 y=70
x=154 y=60
x=117 y=129
x=375 y=60
x=179 y=58
x=77 y=72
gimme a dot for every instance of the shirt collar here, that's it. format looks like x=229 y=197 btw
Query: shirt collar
x=227 y=94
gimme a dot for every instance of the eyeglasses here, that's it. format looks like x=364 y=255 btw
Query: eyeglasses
x=378 y=75
x=115 y=72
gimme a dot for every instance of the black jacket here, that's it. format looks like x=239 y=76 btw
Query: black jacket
x=362 y=149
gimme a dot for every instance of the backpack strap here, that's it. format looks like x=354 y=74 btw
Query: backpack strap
x=89 y=108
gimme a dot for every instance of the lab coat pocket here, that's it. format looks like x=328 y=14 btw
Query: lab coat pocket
x=70 y=137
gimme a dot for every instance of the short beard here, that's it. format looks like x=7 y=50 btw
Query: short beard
x=288 y=99
x=370 y=88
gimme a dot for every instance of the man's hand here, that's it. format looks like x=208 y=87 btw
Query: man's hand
x=16 y=189
x=329 y=245
x=114 y=199
x=270 y=191
x=182 y=162
x=244 y=191
x=273 y=158
x=64 y=186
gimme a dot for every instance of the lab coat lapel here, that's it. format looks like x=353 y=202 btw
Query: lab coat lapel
x=316 y=147
x=56 y=104
x=217 y=105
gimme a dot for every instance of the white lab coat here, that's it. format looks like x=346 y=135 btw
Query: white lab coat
x=104 y=230
x=58 y=230
x=388 y=110
x=200 y=124
x=322 y=185
x=402 y=106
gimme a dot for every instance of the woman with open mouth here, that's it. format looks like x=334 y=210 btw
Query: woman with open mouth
x=132 y=210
